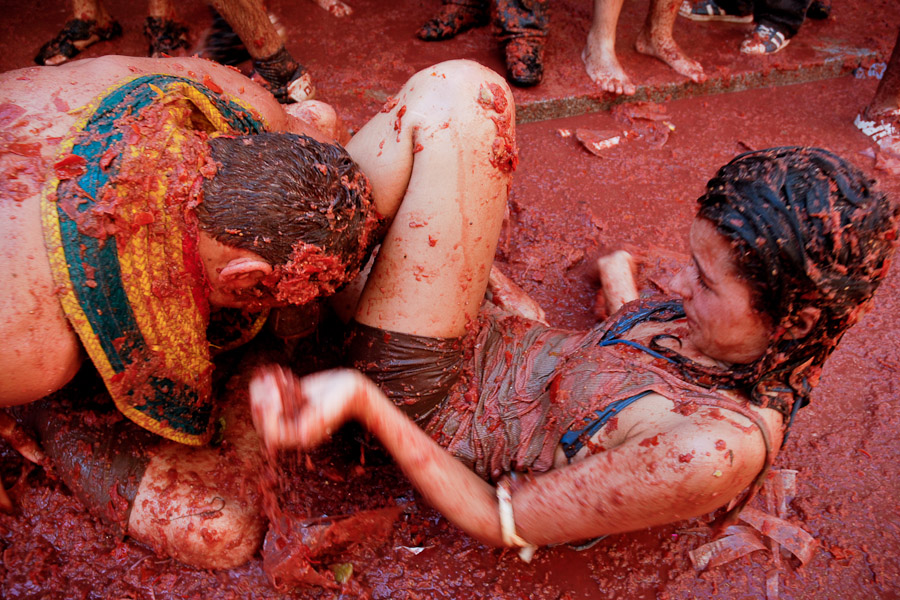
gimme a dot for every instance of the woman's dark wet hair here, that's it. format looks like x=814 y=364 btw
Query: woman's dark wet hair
x=275 y=192
x=808 y=230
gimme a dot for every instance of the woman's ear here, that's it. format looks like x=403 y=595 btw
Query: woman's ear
x=803 y=323
x=244 y=272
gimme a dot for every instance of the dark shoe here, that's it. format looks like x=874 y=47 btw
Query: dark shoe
x=708 y=10
x=75 y=37
x=165 y=36
x=819 y=9
x=288 y=80
x=764 y=40
x=453 y=19
x=525 y=60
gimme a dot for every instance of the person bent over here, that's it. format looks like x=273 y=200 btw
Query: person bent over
x=154 y=210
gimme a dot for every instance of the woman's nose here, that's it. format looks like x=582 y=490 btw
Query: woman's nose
x=678 y=284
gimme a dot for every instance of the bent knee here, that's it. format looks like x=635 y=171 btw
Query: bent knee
x=456 y=83
x=220 y=537
x=189 y=506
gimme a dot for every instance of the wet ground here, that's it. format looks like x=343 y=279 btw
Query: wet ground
x=567 y=206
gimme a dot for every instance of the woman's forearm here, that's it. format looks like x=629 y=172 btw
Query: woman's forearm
x=459 y=494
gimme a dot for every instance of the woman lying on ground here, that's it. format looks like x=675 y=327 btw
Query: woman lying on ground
x=666 y=411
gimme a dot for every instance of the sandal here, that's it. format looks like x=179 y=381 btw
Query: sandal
x=288 y=80
x=708 y=10
x=165 y=36
x=75 y=36
x=764 y=40
x=452 y=19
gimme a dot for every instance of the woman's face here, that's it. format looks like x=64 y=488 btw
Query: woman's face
x=723 y=323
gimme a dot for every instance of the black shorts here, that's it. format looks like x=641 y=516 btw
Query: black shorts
x=416 y=372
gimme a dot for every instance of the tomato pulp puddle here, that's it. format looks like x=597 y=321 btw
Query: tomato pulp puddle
x=567 y=206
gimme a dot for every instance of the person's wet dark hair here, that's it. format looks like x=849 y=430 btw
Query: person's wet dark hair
x=808 y=230
x=291 y=199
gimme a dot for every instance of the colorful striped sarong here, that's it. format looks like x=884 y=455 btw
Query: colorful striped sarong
x=121 y=234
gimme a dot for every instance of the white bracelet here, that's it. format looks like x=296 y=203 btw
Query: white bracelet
x=508 y=524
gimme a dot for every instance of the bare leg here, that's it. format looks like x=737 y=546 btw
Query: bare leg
x=164 y=9
x=655 y=39
x=164 y=33
x=90 y=10
x=599 y=55
x=200 y=505
x=249 y=20
x=439 y=158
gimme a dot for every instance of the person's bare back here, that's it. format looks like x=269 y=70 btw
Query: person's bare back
x=39 y=107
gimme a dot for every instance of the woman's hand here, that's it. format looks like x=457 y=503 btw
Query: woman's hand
x=290 y=412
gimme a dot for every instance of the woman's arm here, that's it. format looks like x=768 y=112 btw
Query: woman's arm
x=668 y=468
x=302 y=413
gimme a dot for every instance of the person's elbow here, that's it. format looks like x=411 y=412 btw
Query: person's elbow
x=713 y=470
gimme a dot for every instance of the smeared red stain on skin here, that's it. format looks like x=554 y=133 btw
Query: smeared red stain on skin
x=9 y=113
x=721 y=445
x=398 y=124
x=716 y=414
x=416 y=222
x=389 y=105
x=208 y=82
x=504 y=152
x=60 y=104
x=432 y=241
x=686 y=458
x=650 y=441
x=418 y=148
x=24 y=149
x=611 y=425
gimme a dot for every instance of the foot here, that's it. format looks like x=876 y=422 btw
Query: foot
x=75 y=37
x=708 y=10
x=451 y=20
x=335 y=7
x=166 y=37
x=666 y=50
x=604 y=69
x=525 y=60
x=506 y=294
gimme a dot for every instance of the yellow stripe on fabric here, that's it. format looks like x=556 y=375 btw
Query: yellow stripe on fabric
x=174 y=332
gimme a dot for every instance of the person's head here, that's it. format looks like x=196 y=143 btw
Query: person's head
x=810 y=239
x=293 y=216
